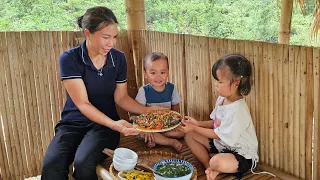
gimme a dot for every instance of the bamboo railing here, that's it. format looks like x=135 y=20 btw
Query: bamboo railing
x=283 y=102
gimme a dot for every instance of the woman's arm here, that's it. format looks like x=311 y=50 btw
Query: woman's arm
x=123 y=100
x=77 y=91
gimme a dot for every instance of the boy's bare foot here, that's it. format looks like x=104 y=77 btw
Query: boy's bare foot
x=177 y=145
x=151 y=145
x=211 y=174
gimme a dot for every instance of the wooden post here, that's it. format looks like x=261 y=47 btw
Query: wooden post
x=136 y=25
x=285 y=22
x=136 y=17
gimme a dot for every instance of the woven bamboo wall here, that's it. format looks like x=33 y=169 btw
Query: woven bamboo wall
x=284 y=97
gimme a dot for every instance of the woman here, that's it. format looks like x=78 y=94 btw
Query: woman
x=94 y=75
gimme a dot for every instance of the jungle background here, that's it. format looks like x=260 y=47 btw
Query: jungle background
x=233 y=19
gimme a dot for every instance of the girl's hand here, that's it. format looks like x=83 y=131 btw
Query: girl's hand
x=153 y=108
x=186 y=127
x=148 y=137
x=125 y=128
x=191 y=120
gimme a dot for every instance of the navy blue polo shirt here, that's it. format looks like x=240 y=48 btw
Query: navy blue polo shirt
x=76 y=63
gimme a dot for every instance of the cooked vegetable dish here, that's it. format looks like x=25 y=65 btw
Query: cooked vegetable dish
x=173 y=170
x=136 y=175
x=157 y=120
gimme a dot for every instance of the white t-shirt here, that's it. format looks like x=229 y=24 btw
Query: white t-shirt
x=233 y=125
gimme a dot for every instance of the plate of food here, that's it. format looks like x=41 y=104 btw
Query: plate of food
x=157 y=121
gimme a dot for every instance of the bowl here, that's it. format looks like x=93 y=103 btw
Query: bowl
x=126 y=154
x=173 y=161
x=124 y=161
x=121 y=178
x=123 y=167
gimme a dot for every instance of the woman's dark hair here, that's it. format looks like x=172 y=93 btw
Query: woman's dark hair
x=153 y=57
x=238 y=66
x=96 y=18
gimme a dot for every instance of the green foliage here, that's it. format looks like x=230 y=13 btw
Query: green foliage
x=234 y=19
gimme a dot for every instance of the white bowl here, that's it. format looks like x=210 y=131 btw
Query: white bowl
x=185 y=177
x=125 y=153
x=123 y=167
x=121 y=161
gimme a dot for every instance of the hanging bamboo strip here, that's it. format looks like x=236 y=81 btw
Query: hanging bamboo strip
x=270 y=110
x=50 y=98
x=309 y=114
x=276 y=49
x=261 y=128
x=213 y=58
x=316 y=81
x=6 y=153
x=296 y=112
x=285 y=114
x=58 y=51
x=290 y=109
x=37 y=123
x=255 y=81
x=14 y=99
x=266 y=102
x=29 y=87
x=22 y=127
x=302 y=107
x=52 y=60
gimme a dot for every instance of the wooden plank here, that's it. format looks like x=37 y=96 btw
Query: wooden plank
x=265 y=111
x=281 y=126
x=291 y=85
x=30 y=38
x=38 y=123
x=261 y=128
x=309 y=114
x=302 y=106
x=27 y=84
x=285 y=114
x=213 y=59
x=5 y=140
x=14 y=103
x=316 y=81
x=21 y=123
x=296 y=111
x=270 y=111
x=276 y=130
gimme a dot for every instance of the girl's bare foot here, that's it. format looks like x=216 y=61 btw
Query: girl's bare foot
x=177 y=145
x=211 y=174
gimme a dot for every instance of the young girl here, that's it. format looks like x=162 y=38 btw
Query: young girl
x=161 y=93
x=233 y=138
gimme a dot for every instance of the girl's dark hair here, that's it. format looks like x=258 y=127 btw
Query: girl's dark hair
x=153 y=57
x=239 y=66
x=96 y=18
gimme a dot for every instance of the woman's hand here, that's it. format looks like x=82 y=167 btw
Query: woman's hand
x=125 y=128
x=153 y=108
x=191 y=120
x=186 y=127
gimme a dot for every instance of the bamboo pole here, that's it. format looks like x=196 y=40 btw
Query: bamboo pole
x=136 y=18
x=285 y=22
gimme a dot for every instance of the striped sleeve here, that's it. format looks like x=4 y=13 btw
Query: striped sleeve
x=69 y=69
